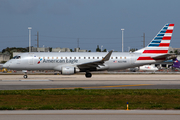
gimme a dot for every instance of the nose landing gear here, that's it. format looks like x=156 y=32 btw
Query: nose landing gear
x=25 y=74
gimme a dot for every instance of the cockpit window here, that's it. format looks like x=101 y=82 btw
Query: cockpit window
x=16 y=57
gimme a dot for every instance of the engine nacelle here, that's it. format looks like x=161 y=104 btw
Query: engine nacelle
x=68 y=70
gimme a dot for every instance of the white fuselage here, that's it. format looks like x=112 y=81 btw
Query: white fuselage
x=55 y=61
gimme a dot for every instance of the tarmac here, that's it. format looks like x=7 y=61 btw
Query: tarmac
x=95 y=77
x=100 y=81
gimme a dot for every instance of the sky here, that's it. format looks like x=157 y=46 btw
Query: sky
x=61 y=23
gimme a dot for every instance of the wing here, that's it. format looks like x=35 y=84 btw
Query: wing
x=95 y=64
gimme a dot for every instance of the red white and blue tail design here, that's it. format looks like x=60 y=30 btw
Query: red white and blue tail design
x=159 y=45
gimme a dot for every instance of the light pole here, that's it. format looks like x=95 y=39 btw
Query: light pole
x=122 y=38
x=29 y=28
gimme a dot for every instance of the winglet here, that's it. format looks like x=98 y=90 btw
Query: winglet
x=106 y=58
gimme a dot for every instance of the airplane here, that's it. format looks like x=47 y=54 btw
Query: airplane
x=148 y=68
x=176 y=63
x=73 y=62
x=144 y=68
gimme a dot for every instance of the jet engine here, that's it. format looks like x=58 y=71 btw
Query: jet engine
x=69 y=70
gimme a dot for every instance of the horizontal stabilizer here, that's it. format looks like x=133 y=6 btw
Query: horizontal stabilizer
x=167 y=56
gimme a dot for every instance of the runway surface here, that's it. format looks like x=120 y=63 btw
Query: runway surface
x=149 y=81
x=90 y=115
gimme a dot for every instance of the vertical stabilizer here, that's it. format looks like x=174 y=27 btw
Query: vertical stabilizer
x=160 y=43
x=158 y=46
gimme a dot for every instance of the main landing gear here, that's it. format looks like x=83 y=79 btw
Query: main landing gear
x=88 y=75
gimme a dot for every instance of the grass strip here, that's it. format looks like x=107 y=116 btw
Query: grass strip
x=89 y=99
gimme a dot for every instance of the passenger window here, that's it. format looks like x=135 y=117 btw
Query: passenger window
x=48 y=57
x=111 y=57
x=84 y=57
x=120 y=57
x=70 y=57
x=56 y=57
x=124 y=57
x=79 y=57
x=93 y=57
x=43 y=57
x=66 y=57
x=74 y=57
x=52 y=57
x=97 y=57
x=61 y=57
x=116 y=57
x=89 y=57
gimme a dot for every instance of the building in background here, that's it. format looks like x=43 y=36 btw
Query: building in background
x=60 y=49
x=78 y=50
x=40 y=49
x=4 y=56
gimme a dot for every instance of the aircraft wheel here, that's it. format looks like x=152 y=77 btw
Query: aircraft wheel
x=25 y=76
x=88 y=75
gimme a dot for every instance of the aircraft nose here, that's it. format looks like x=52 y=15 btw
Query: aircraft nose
x=6 y=65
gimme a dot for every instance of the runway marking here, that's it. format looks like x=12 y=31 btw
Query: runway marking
x=101 y=86
x=31 y=80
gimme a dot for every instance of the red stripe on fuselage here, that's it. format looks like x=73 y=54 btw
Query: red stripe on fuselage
x=149 y=58
x=145 y=58
x=155 y=51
